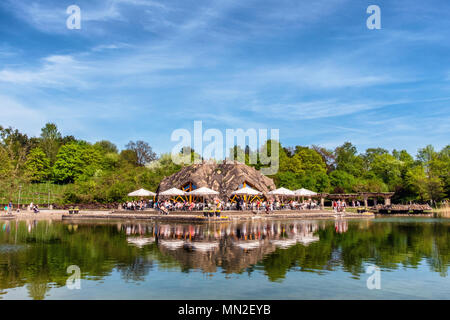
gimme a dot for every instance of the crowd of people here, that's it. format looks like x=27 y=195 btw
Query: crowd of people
x=271 y=205
x=138 y=205
x=239 y=204
x=340 y=205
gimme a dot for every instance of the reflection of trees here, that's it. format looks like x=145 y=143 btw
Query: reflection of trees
x=38 y=288
x=136 y=270
x=51 y=249
x=36 y=254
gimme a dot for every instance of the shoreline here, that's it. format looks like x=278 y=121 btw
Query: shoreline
x=152 y=215
x=183 y=216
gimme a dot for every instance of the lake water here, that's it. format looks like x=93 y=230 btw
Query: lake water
x=258 y=259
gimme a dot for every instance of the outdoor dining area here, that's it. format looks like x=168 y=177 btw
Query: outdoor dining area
x=212 y=203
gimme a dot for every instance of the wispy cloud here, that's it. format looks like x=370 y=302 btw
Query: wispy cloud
x=55 y=71
x=311 y=69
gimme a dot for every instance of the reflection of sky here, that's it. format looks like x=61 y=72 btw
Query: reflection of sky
x=151 y=277
x=162 y=284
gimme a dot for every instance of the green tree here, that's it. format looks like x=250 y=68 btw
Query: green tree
x=37 y=166
x=14 y=147
x=341 y=181
x=347 y=160
x=310 y=160
x=76 y=160
x=370 y=155
x=106 y=146
x=328 y=157
x=50 y=141
x=435 y=166
x=129 y=157
x=387 y=168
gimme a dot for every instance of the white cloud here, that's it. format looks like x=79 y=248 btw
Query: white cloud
x=55 y=71
x=320 y=74
x=314 y=109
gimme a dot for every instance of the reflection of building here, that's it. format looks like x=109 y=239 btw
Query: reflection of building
x=232 y=247
x=171 y=244
x=140 y=241
x=202 y=246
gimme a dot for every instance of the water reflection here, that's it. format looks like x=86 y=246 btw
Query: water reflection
x=209 y=237
x=341 y=225
x=35 y=254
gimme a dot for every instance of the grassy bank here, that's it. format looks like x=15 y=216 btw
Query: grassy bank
x=443 y=212
x=38 y=193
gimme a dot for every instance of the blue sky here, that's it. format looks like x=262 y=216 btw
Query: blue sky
x=138 y=69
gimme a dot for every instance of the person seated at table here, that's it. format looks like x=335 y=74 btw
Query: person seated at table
x=164 y=209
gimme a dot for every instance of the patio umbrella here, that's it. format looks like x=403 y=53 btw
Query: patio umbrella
x=203 y=191
x=246 y=191
x=142 y=193
x=282 y=192
x=305 y=193
x=173 y=192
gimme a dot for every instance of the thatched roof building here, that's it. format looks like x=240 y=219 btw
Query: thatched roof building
x=224 y=177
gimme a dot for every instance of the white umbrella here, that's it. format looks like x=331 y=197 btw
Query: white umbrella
x=305 y=192
x=248 y=245
x=307 y=239
x=203 y=191
x=282 y=192
x=204 y=246
x=172 y=244
x=284 y=243
x=140 y=242
x=246 y=191
x=142 y=193
x=173 y=192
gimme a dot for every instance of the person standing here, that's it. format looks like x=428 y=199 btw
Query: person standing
x=10 y=207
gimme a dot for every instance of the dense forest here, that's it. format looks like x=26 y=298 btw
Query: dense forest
x=100 y=173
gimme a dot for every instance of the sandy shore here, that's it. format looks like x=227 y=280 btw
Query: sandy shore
x=175 y=215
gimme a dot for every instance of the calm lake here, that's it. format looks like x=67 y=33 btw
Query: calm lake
x=258 y=259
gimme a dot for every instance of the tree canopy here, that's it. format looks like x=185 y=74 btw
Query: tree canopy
x=100 y=172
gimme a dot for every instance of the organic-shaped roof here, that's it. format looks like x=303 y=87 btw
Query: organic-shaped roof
x=224 y=177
